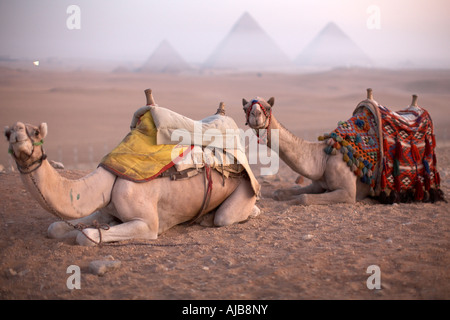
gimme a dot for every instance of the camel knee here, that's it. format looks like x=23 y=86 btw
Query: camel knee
x=225 y=217
x=222 y=220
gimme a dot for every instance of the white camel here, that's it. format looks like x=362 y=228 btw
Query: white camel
x=332 y=181
x=132 y=210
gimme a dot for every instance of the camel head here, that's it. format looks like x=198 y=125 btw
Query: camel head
x=258 y=112
x=25 y=144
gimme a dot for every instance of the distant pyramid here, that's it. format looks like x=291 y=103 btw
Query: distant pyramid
x=247 y=47
x=332 y=48
x=165 y=59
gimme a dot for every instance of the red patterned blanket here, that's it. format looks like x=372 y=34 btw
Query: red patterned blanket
x=393 y=152
x=409 y=170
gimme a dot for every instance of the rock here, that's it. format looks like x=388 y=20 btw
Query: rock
x=307 y=237
x=12 y=272
x=100 y=267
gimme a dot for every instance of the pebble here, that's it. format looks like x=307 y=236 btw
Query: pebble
x=307 y=237
x=100 y=267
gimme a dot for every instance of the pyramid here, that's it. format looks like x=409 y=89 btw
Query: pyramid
x=165 y=59
x=247 y=47
x=332 y=48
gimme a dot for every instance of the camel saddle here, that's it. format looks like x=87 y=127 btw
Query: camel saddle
x=148 y=151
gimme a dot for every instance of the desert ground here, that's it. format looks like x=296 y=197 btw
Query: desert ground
x=287 y=252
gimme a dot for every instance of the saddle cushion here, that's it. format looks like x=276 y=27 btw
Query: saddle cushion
x=216 y=131
x=138 y=158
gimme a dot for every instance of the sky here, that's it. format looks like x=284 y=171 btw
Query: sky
x=405 y=31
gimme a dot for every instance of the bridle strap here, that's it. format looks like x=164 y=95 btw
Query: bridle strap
x=268 y=115
x=27 y=170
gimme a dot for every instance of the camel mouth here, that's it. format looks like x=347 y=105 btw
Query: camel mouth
x=21 y=147
x=257 y=123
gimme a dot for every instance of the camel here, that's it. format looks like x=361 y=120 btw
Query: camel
x=332 y=181
x=107 y=208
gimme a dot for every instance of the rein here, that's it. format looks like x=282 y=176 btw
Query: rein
x=26 y=169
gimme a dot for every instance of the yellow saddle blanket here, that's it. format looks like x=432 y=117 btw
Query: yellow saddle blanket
x=138 y=158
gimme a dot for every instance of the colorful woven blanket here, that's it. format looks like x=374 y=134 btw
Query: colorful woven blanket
x=399 y=146
x=409 y=163
x=358 y=141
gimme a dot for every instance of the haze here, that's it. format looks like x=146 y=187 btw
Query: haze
x=410 y=32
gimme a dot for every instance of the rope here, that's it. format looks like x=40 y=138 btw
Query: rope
x=208 y=190
x=124 y=243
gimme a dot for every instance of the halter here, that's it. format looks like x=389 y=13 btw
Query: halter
x=268 y=115
x=26 y=169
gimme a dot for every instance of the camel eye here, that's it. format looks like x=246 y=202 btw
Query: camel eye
x=36 y=133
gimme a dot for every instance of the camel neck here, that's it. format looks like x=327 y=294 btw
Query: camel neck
x=66 y=198
x=305 y=157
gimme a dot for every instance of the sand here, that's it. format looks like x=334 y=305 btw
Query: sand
x=288 y=252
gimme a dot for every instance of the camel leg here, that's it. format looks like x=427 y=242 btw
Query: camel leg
x=135 y=229
x=132 y=206
x=62 y=230
x=340 y=182
x=239 y=206
x=291 y=193
x=336 y=196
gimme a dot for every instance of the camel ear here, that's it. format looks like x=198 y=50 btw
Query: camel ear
x=43 y=130
x=7 y=132
x=244 y=102
x=271 y=101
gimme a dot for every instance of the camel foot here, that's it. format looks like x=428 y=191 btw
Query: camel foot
x=61 y=230
x=301 y=200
